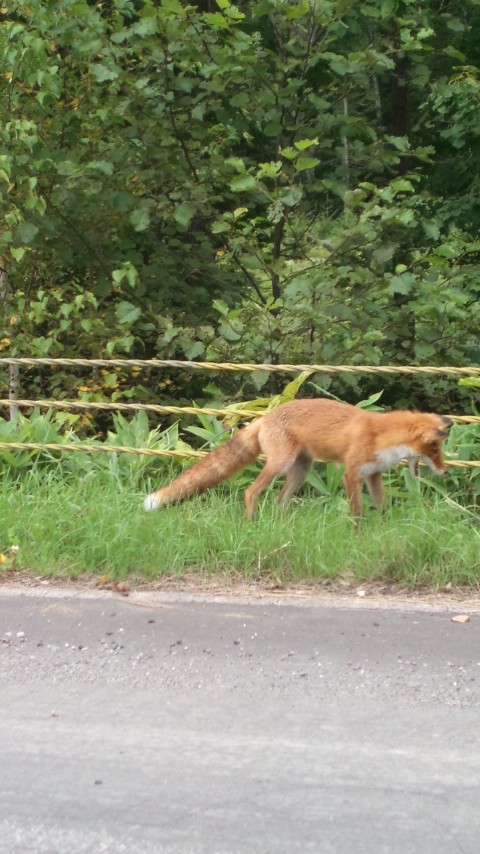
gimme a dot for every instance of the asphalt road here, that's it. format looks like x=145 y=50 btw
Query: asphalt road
x=173 y=726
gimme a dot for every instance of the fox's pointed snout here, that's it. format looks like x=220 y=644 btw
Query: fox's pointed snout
x=437 y=464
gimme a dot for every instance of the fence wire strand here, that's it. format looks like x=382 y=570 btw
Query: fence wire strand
x=131 y=407
x=431 y=370
x=159 y=409
x=82 y=447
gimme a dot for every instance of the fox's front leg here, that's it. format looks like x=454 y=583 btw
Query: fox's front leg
x=353 y=487
x=414 y=466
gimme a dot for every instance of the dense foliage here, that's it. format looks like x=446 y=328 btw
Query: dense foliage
x=283 y=180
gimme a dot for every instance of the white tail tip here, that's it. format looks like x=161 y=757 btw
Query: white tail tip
x=151 y=503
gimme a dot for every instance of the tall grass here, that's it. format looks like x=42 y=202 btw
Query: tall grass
x=67 y=525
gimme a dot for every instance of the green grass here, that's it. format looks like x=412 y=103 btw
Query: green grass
x=66 y=526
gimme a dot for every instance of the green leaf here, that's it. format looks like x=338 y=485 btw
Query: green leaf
x=303 y=163
x=388 y=8
x=236 y=163
x=184 y=213
x=147 y=26
x=221 y=307
x=239 y=212
x=27 y=232
x=445 y=250
x=18 y=252
x=289 y=153
x=102 y=73
x=402 y=185
x=102 y=166
x=292 y=196
x=270 y=170
x=369 y=402
x=196 y=349
x=382 y=255
x=140 y=218
x=455 y=24
x=131 y=274
x=174 y=6
x=424 y=350
x=454 y=54
x=41 y=346
x=431 y=229
x=126 y=313
x=303 y=144
x=473 y=382
x=241 y=99
x=243 y=184
x=292 y=388
x=215 y=19
x=401 y=143
x=219 y=226
x=425 y=33
x=234 y=14
x=402 y=284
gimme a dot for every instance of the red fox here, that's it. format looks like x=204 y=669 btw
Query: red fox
x=294 y=434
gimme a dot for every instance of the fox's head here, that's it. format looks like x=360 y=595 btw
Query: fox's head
x=430 y=431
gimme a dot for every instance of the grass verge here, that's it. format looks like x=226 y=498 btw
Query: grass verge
x=66 y=527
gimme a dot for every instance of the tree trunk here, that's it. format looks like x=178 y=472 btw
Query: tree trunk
x=400 y=103
x=346 y=153
x=14 y=370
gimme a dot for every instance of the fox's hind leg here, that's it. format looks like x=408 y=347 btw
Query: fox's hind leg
x=273 y=468
x=296 y=475
x=376 y=490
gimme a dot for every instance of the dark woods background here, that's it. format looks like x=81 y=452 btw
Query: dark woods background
x=267 y=181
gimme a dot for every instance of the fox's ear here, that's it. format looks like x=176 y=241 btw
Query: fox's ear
x=432 y=435
x=443 y=434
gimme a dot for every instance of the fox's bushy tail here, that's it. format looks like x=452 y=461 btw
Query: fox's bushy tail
x=220 y=464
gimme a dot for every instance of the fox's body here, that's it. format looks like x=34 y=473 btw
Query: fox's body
x=294 y=434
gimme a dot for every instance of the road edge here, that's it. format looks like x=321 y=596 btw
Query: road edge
x=356 y=600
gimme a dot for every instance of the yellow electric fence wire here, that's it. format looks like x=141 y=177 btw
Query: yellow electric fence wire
x=103 y=449
x=232 y=366
x=150 y=452
x=165 y=410
x=131 y=407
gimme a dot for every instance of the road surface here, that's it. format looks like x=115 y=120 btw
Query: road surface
x=171 y=725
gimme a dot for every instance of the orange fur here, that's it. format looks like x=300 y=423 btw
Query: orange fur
x=296 y=433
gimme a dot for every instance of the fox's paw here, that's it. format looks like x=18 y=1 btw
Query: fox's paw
x=151 y=503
